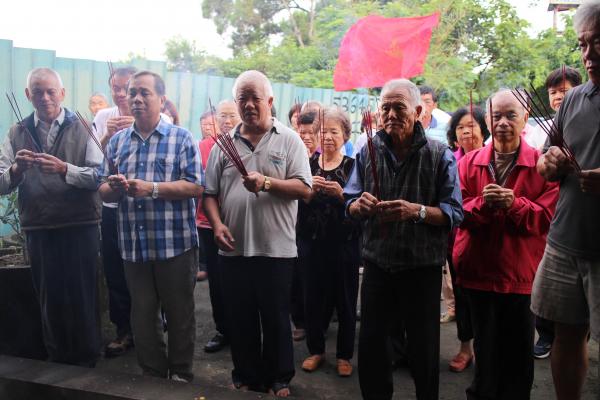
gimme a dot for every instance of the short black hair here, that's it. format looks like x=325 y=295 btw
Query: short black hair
x=478 y=116
x=424 y=89
x=159 y=84
x=122 y=71
x=307 y=118
x=555 y=78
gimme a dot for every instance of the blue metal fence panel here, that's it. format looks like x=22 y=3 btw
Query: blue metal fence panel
x=189 y=92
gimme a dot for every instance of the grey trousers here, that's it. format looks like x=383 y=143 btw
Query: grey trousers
x=167 y=284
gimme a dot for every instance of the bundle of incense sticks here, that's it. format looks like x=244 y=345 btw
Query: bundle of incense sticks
x=491 y=166
x=321 y=117
x=368 y=120
x=112 y=168
x=31 y=143
x=532 y=101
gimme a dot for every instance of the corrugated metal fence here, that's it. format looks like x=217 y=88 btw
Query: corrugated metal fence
x=189 y=92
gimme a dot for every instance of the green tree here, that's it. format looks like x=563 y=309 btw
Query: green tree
x=183 y=55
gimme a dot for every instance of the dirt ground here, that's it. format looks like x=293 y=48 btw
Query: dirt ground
x=214 y=369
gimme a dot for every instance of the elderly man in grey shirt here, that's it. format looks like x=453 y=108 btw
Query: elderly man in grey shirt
x=50 y=159
x=566 y=289
x=256 y=235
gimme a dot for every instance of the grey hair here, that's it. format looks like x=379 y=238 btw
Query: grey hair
x=588 y=12
x=252 y=75
x=99 y=94
x=337 y=114
x=40 y=72
x=411 y=88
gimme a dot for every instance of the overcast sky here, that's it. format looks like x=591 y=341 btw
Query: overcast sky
x=111 y=29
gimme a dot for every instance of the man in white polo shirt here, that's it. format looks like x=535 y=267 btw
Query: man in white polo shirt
x=256 y=235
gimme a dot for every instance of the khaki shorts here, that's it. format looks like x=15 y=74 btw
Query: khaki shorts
x=566 y=289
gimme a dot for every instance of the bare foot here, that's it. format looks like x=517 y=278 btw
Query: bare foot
x=283 y=392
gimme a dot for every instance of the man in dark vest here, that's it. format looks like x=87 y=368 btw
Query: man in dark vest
x=405 y=231
x=50 y=158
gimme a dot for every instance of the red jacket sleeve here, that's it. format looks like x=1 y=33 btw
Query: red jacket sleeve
x=533 y=216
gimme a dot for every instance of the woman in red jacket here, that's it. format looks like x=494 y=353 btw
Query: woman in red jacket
x=508 y=208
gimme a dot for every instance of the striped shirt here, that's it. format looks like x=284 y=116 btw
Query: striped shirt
x=155 y=229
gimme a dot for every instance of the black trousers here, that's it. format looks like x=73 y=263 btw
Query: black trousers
x=258 y=304
x=464 y=329
x=331 y=271
x=119 y=300
x=297 y=295
x=503 y=344
x=63 y=267
x=215 y=286
x=414 y=296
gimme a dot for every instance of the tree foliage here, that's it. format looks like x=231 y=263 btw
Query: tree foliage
x=479 y=45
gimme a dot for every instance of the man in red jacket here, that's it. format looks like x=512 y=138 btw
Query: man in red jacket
x=508 y=208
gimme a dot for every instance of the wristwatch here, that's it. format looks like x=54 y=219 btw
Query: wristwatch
x=154 y=190
x=422 y=215
x=267 y=184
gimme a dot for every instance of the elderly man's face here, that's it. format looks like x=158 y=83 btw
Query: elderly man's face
x=254 y=106
x=118 y=90
x=46 y=95
x=227 y=116
x=589 y=43
x=398 y=113
x=508 y=118
x=145 y=104
x=96 y=104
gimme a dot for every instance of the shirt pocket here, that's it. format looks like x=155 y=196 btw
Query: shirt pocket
x=166 y=169
x=276 y=164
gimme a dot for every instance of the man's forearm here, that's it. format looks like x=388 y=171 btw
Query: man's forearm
x=178 y=190
x=290 y=188
x=211 y=210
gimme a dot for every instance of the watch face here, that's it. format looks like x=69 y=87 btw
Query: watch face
x=422 y=212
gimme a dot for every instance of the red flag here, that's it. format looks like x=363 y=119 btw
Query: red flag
x=377 y=49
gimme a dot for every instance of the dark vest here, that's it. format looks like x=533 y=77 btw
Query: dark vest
x=45 y=200
x=396 y=246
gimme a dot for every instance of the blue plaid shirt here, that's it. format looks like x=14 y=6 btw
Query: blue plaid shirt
x=158 y=229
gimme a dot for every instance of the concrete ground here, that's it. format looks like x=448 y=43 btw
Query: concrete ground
x=214 y=369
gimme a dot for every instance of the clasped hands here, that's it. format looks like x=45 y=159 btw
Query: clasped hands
x=48 y=164
x=496 y=196
x=130 y=187
x=328 y=188
x=367 y=205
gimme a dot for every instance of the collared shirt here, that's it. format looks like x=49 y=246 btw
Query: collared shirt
x=437 y=130
x=82 y=177
x=576 y=224
x=155 y=229
x=265 y=225
x=427 y=176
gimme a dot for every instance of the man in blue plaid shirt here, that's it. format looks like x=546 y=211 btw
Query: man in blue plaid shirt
x=153 y=171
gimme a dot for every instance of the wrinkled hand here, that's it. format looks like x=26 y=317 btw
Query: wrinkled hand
x=24 y=159
x=498 y=197
x=589 y=180
x=398 y=210
x=116 y=124
x=366 y=205
x=139 y=188
x=49 y=164
x=223 y=238
x=328 y=188
x=254 y=182
x=556 y=164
